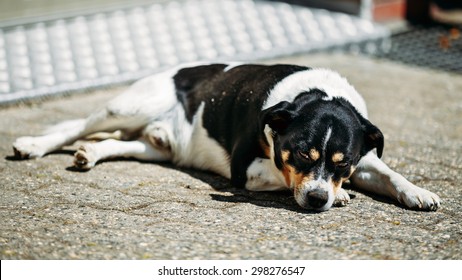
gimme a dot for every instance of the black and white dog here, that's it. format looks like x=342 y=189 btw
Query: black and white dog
x=264 y=127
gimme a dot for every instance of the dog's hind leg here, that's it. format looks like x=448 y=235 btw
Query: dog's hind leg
x=89 y=154
x=68 y=132
x=153 y=145
x=145 y=100
x=52 y=139
x=373 y=175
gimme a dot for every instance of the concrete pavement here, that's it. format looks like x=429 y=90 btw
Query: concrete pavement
x=134 y=210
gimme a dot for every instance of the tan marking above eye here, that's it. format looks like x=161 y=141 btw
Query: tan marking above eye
x=314 y=154
x=285 y=155
x=337 y=157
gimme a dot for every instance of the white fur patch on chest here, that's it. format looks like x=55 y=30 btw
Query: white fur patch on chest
x=194 y=147
x=326 y=80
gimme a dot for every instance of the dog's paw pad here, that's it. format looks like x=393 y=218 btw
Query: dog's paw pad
x=27 y=147
x=85 y=157
x=341 y=199
x=420 y=199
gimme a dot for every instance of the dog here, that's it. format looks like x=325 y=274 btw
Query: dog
x=264 y=127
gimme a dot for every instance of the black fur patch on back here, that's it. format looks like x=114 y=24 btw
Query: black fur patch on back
x=189 y=82
x=233 y=99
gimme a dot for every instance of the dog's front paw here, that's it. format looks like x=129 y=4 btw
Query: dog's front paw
x=28 y=147
x=342 y=198
x=419 y=199
x=85 y=157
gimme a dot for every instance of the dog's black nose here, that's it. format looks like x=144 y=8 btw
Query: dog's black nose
x=317 y=198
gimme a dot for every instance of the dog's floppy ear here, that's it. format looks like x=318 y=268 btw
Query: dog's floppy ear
x=278 y=117
x=373 y=138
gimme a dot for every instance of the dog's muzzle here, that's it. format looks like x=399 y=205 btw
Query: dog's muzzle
x=317 y=195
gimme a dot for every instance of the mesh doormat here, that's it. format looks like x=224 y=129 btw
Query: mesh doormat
x=80 y=52
x=435 y=46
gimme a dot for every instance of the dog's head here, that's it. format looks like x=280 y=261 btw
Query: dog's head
x=316 y=143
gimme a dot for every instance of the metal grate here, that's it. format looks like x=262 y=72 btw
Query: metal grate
x=117 y=46
x=436 y=46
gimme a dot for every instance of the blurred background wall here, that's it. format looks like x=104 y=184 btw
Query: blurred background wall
x=20 y=9
x=372 y=9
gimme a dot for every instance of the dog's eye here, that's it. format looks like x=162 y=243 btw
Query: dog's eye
x=342 y=164
x=304 y=155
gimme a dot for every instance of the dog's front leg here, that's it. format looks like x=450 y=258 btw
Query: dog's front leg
x=261 y=176
x=373 y=175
